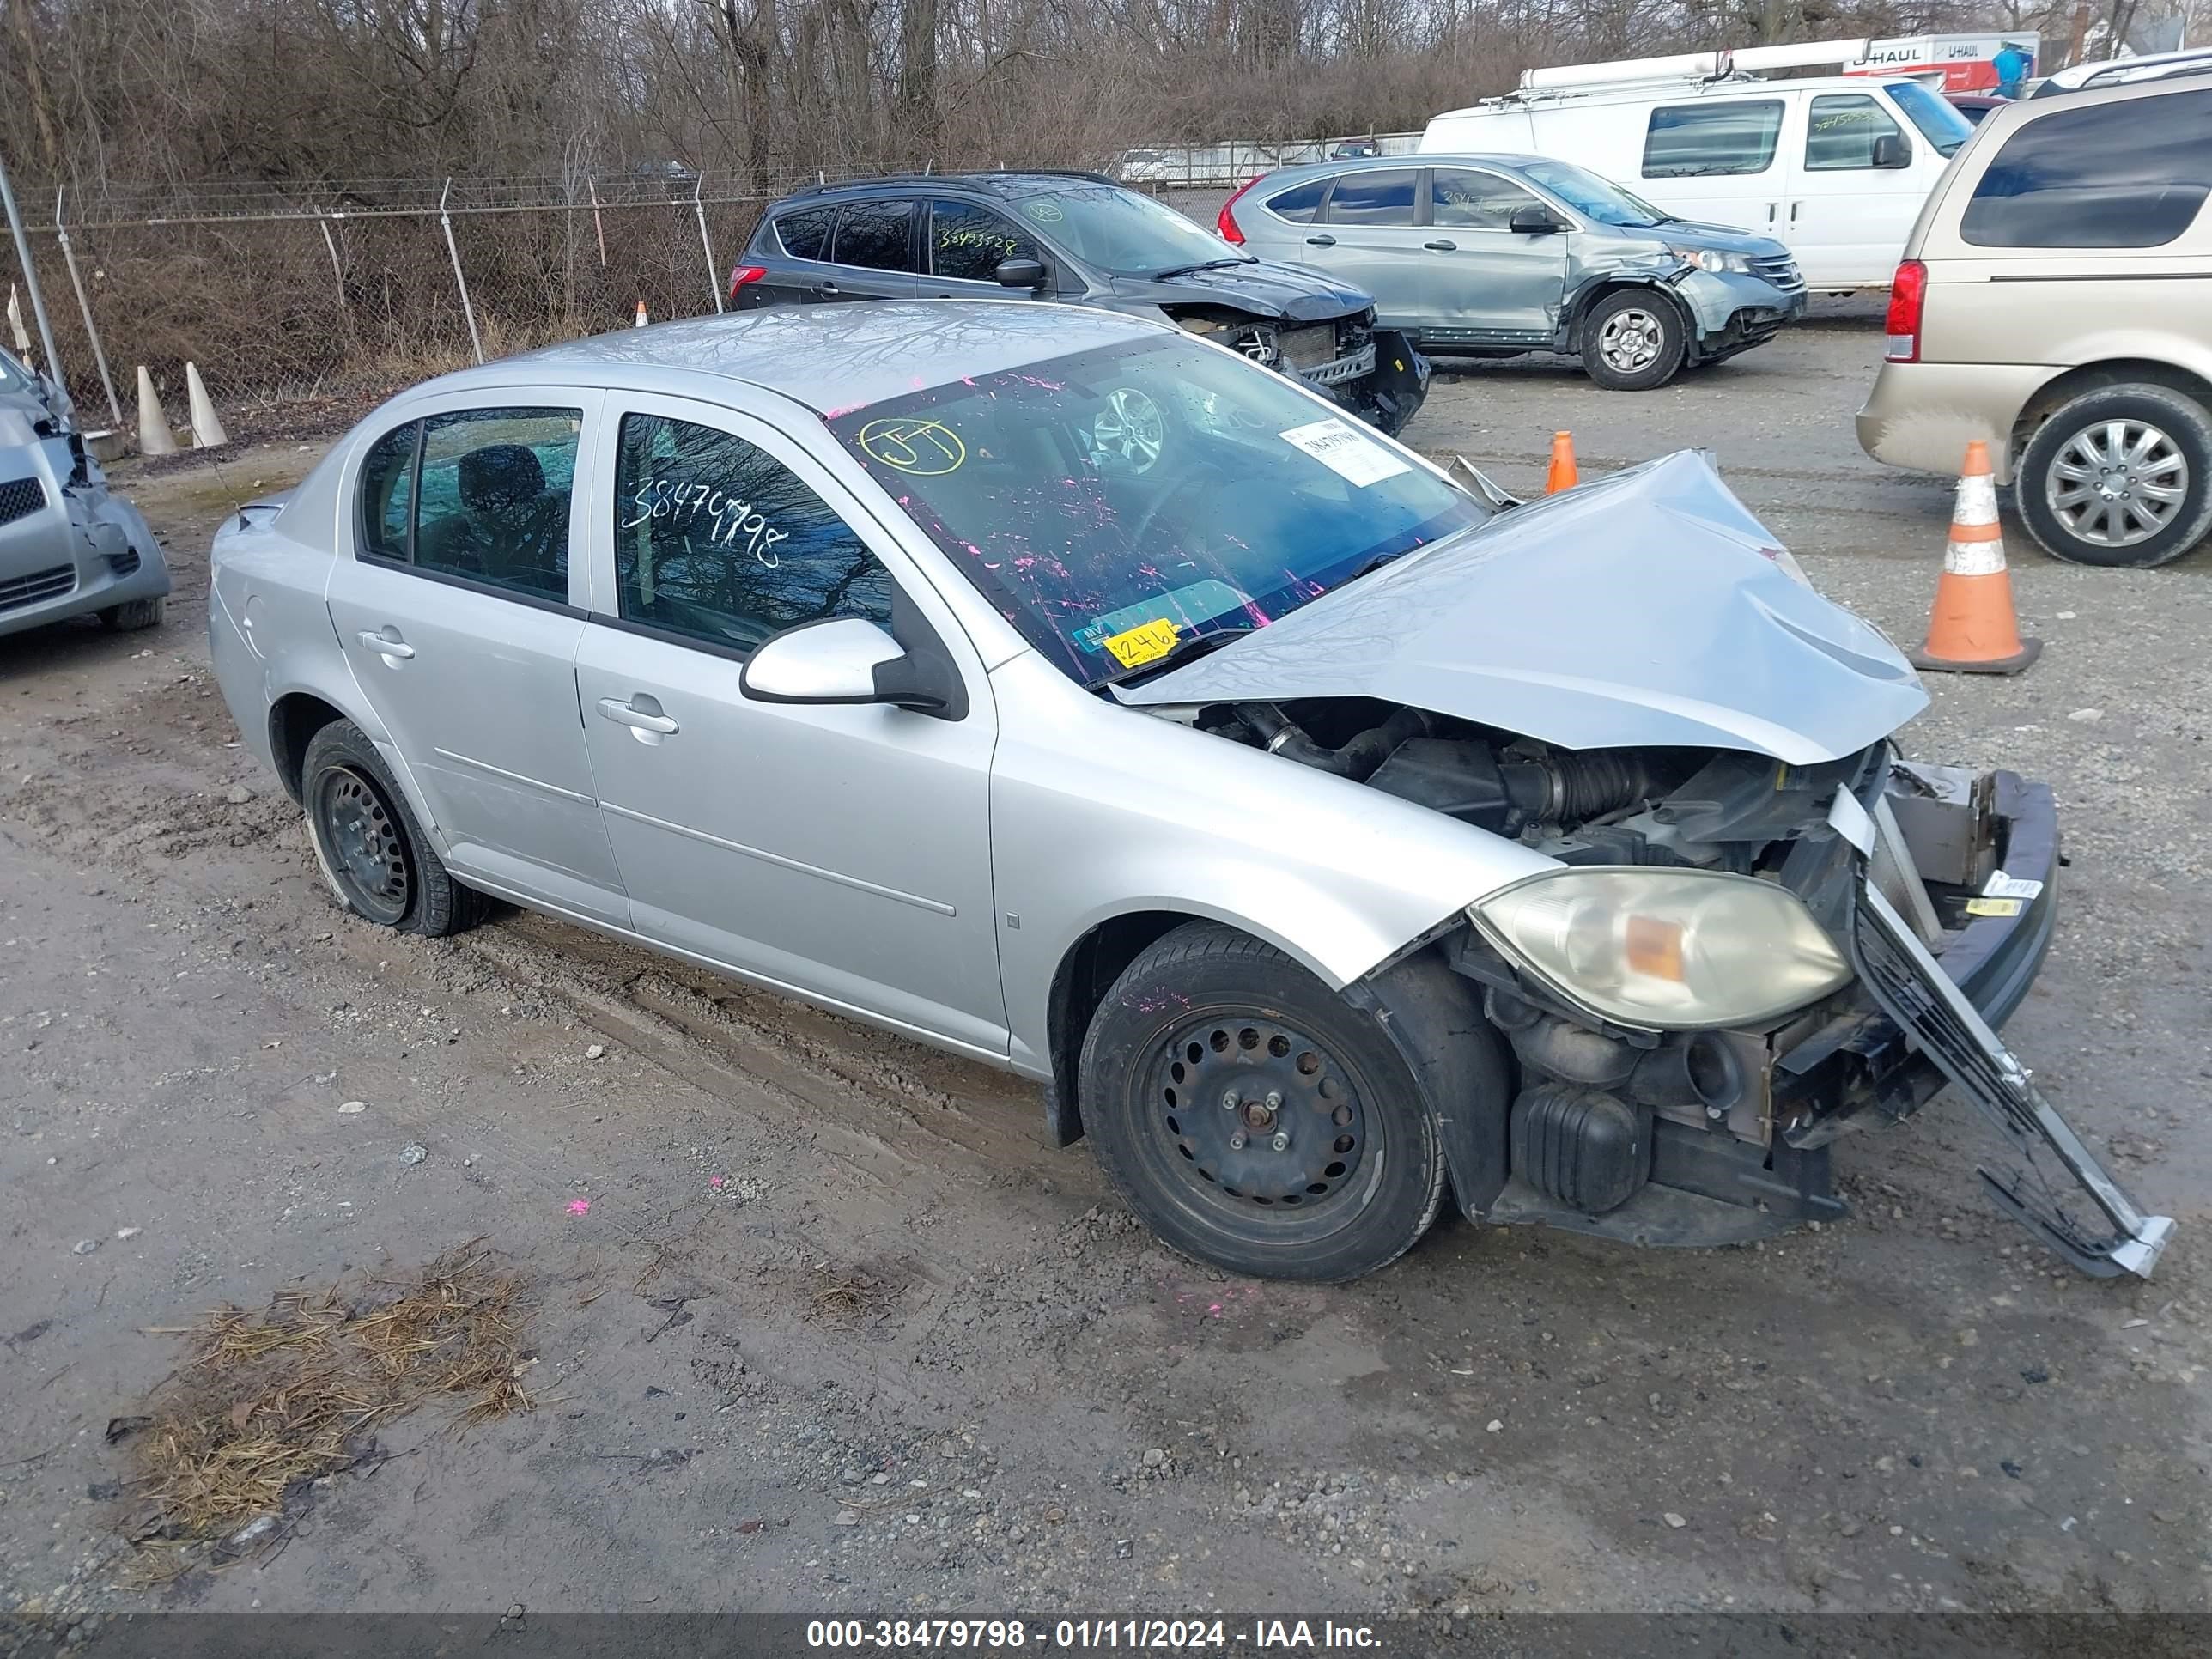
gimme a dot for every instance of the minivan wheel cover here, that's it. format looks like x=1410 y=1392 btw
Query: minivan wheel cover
x=362 y=846
x=1631 y=340
x=1252 y=1114
x=2118 y=482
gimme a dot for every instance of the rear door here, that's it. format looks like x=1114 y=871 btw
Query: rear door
x=1718 y=160
x=1482 y=280
x=873 y=251
x=1367 y=234
x=1851 y=207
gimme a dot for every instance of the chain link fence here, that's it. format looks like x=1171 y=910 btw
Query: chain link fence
x=346 y=296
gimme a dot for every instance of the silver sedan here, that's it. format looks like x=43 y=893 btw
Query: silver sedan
x=1067 y=691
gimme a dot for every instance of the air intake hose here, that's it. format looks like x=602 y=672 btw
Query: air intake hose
x=1356 y=759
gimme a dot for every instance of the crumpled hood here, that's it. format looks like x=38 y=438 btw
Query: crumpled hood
x=1636 y=611
x=1726 y=239
x=1265 y=287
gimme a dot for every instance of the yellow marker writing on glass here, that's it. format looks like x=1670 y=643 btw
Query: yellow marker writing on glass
x=1147 y=642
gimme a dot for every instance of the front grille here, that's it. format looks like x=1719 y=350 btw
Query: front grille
x=1780 y=270
x=1898 y=983
x=124 y=563
x=48 y=584
x=20 y=498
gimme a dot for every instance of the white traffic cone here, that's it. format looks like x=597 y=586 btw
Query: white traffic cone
x=207 y=426
x=154 y=437
x=641 y=313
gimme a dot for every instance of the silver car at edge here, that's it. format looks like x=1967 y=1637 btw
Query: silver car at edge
x=1069 y=692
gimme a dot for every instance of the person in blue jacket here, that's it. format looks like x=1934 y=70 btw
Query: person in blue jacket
x=2013 y=63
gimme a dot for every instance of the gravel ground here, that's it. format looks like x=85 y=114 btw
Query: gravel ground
x=836 y=1331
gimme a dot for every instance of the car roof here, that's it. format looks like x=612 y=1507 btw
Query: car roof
x=830 y=358
x=1037 y=181
x=1510 y=160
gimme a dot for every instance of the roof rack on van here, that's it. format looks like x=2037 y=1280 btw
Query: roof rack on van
x=1725 y=64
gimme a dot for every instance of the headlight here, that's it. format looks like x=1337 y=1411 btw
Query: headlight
x=1672 y=950
x=1708 y=258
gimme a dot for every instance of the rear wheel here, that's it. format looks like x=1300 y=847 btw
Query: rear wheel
x=1634 y=341
x=2120 y=476
x=372 y=851
x=1252 y=1117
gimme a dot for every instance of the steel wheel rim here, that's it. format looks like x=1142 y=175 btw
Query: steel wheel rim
x=362 y=845
x=1630 y=339
x=1130 y=429
x=1295 y=1106
x=2118 y=484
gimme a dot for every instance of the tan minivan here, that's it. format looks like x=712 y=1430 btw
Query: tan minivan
x=2056 y=300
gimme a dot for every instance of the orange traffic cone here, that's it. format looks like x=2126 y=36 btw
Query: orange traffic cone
x=1973 y=629
x=1563 y=475
x=641 y=313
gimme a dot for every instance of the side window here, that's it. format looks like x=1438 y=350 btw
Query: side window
x=2120 y=175
x=493 y=500
x=1841 y=133
x=717 y=540
x=967 y=242
x=1299 y=204
x=1477 y=201
x=805 y=235
x=1696 y=141
x=387 y=493
x=873 y=234
x=1374 y=198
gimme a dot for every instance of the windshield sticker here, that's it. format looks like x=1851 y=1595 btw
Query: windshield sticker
x=928 y=449
x=1139 y=645
x=1188 y=606
x=2001 y=885
x=1997 y=906
x=731 y=515
x=1348 y=453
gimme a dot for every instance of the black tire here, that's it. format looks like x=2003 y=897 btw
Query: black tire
x=2058 y=484
x=134 y=614
x=373 y=852
x=1207 y=1009
x=1648 y=344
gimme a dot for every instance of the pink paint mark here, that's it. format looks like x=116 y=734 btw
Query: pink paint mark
x=834 y=414
x=580 y=1207
x=715 y=1182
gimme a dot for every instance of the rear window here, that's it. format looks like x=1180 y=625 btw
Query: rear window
x=873 y=235
x=1704 y=139
x=806 y=235
x=2118 y=175
x=1374 y=198
x=1299 y=203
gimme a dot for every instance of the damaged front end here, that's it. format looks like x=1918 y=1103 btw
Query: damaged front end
x=1374 y=372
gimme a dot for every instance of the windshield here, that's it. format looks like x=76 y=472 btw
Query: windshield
x=1119 y=504
x=1592 y=197
x=1122 y=232
x=1940 y=124
x=14 y=377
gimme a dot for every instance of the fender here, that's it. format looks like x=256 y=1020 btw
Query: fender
x=1585 y=293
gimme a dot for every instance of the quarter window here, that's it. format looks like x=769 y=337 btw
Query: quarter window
x=484 y=494
x=1299 y=203
x=2119 y=175
x=873 y=234
x=717 y=540
x=806 y=235
x=1474 y=201
x=1841 y=133
x=1703 y=139
x=967 y=243
x=1373 y=198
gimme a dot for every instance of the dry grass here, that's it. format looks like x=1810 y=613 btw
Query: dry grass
x=265 y=1402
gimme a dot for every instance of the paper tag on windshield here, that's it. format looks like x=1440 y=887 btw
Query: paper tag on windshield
x=1139 y=646
x=1997 y=906
x=1346 y=451
x=2001 y=885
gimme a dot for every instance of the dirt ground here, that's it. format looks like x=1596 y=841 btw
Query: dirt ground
x=837 y=1332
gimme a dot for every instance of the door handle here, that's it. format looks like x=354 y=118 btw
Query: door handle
x=1441 y=247
x=1321 y=241
x=386 y=645
x=829 y=291
x=622 y=714
x=1794 y=206
x=1770 y=213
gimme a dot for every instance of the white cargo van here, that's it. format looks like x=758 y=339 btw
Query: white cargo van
x=1834 y=167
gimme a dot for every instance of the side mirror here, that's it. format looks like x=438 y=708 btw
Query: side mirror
x=1534 y=220
x=846 y=660
x=1890 y=150
x=1020 y=273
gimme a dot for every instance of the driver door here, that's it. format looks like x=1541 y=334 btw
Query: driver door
x=843 y=852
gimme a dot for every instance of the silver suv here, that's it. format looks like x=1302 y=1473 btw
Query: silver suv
x=2056 y=301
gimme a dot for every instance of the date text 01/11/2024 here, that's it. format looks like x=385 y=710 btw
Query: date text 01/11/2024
x=989 y=1635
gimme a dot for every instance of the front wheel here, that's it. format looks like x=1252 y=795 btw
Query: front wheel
x=1253 y=1118
x=2121 y=477
x=1634 y=341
